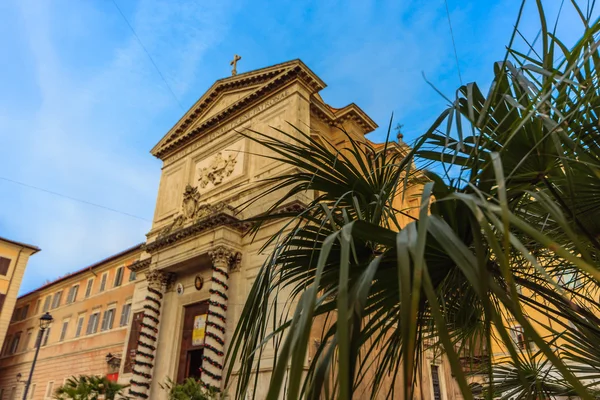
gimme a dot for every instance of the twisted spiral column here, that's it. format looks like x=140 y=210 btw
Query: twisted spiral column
x=158 y=283
x=223 y=260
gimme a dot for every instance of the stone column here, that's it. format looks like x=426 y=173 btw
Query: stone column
x=158 y=283
x=223 y=260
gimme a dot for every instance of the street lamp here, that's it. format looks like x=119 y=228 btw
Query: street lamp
x=45 y=321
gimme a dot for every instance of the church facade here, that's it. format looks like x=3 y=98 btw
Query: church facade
x=193 y=273
x=198 y=265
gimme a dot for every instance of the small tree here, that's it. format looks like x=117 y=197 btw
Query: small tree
x=89 y=387
x=190 y=389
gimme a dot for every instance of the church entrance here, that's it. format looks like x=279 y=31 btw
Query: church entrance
x=192 y=341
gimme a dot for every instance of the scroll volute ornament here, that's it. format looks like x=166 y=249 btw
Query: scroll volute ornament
x=160 y=280
x=224 y=256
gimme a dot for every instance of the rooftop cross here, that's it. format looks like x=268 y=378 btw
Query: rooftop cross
x=236 y=58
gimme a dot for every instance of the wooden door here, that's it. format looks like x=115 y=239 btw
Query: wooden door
x=188 y=351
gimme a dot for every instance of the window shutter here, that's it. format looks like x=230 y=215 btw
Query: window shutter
x=47 y=303
x=79 y=326
x=88 y=289
x=24 y=312
x=111 y=319
x=125 y=314
x=46 y=336
x=119 y=277
x=435 y=380
x=103 y=283
x=4 y=263
x=88 y=330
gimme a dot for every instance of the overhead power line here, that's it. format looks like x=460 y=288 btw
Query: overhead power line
x=453 y=43
x=148 y=54
x=73 y=198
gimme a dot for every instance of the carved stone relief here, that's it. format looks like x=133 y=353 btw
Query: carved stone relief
x=220 y=167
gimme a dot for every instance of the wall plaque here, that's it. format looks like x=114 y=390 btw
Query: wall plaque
x=198 y=282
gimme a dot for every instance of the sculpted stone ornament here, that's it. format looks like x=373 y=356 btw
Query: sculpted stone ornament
x=191 y=209
x=219 y=169
x=191 y=202
x=160 y=280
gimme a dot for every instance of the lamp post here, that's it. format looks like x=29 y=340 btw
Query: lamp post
x=45 y=321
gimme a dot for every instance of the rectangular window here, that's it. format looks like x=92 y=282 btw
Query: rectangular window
x=518 y=335
x=88 y=288
x=125 y=314
x=79 y=325
x=6 y=345
x=13 y=393
x=38 y=304
x=132 y=276
x=63 y=331
x=24 y=312
x=50 y=390
x=435 y=380
x=92 y=326
x=4 y=263
x=72 y=294
x=31 y=391
x=103 y=282
x=15 y=315
x=46 y=336
x=27 y=344
x=2 y=299
x=57 y=299
x=108 y=319
x=14 y=346
x=47 y=303
x=118 y=277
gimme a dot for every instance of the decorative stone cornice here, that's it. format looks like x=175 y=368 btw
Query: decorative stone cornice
x=295 y=207
x=335 y=117
x=278 y=75
x=223 y=215
x=222 y=218
x=160 y=280
x=140 y=265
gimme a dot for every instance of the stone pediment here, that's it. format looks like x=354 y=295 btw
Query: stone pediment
x=229 y=96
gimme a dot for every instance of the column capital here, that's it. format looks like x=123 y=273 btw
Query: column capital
x=223 y=255
x=159 y=279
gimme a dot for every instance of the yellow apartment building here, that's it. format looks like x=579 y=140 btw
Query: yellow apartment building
x=13 y=261
x=91 y=310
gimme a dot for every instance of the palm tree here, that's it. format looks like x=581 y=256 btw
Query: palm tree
x=514 y=234
x=190 y=389
x=89 y=387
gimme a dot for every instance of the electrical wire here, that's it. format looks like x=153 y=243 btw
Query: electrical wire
x=453 y=42
x=148 y=54
x=73 y=198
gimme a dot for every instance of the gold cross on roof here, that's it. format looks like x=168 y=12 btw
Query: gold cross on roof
x=236 y=58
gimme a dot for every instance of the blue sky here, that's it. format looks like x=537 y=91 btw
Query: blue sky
x=81 y=104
